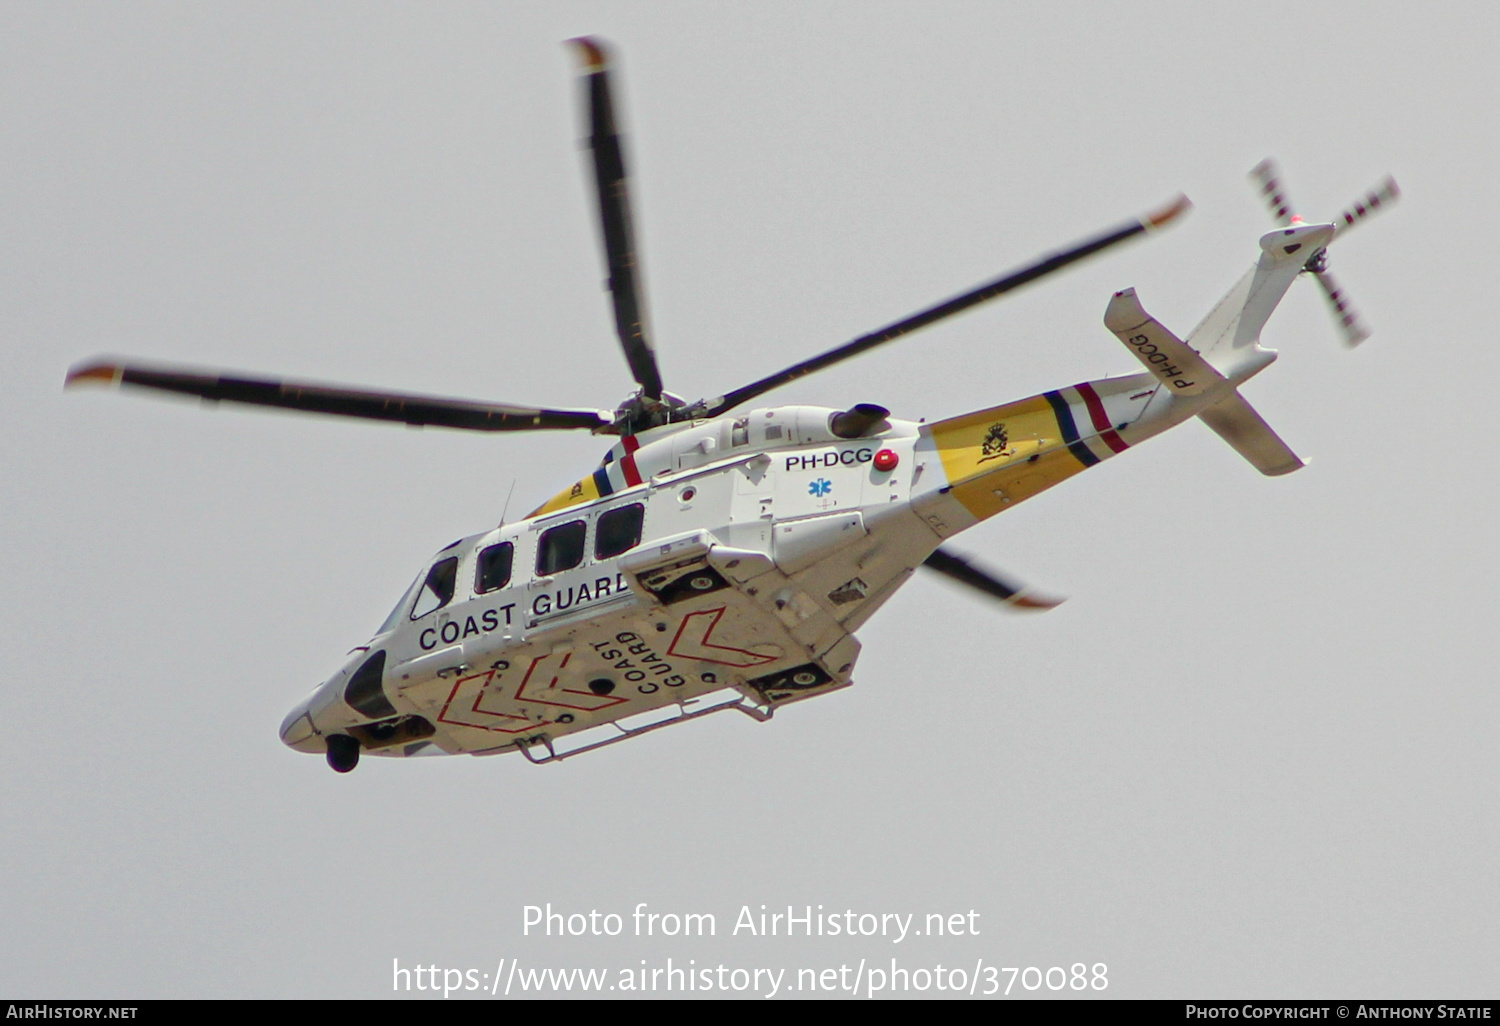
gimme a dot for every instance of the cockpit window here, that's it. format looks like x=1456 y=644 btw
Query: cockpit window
x=437 y=589
x=619 y=530
x=494 y=567
x=560 y=548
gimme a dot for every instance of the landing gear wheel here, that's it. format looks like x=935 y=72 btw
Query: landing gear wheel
x=343 y=753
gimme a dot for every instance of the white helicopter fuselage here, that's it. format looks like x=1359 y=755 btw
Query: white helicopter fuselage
x=727 y=563
x=765 y=542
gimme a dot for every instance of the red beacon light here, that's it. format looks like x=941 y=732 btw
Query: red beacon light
x=886 y=460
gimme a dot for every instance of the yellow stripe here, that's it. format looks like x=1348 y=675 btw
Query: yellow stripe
x=996 y=491
x=1033 y=458
x=584 y=491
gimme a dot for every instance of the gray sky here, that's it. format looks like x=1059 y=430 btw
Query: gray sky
x=1252 y=755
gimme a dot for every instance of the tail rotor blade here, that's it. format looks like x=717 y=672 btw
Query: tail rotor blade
x=1353 y=329
x=1383 y=195
x=614 y=215
x=1268 y=176
x=960 y=569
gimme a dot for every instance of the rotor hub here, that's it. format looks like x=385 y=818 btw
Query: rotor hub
x=640 y=413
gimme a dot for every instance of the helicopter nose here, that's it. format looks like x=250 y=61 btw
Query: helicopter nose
x=297 y=731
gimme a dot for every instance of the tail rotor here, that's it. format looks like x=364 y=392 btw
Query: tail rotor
x=1268 y=177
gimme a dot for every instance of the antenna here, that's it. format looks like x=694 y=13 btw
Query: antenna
x=506 y=508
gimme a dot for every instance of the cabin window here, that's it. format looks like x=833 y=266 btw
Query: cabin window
x=739 y=432
x=494 y=567
x=437 y=589
x=619 y=530
x=560 y=548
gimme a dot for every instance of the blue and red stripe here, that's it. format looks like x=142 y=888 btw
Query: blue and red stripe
x=1100 y=418
x=627 y=462
x=1063 y=410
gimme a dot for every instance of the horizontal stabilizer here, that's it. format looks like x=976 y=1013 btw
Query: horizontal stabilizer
x=1235 y=421
x=1175 y=363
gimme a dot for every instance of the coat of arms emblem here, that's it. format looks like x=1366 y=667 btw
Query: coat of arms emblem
x=994 y=443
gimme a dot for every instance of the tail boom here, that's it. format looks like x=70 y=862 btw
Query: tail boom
x=981 y=463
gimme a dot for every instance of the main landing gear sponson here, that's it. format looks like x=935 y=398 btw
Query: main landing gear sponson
x=343 y=752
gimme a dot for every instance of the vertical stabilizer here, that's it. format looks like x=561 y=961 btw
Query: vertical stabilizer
x=1229 y=337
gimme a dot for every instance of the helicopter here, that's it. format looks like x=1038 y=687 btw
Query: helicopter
x=722 y=558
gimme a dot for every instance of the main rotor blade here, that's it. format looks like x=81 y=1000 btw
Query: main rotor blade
x=614 y=216
x=1031 y=272
x=418 y=410
x=964 y=572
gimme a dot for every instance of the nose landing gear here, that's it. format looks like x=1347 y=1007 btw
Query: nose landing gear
x=343 y=753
